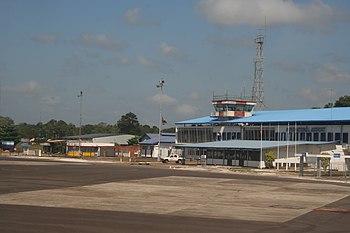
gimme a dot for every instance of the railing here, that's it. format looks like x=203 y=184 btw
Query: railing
x=229 y=97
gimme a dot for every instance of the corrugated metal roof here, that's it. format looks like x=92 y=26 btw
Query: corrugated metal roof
x=155 y=140
x=89 y=136
x=117 y=139
x=248 y=144
x=299 y=115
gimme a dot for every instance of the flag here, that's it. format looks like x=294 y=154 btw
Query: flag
x=164 y=121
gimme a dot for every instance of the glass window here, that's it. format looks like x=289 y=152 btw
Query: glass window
x=330 y=137
x=337 y=137
x=308 y=136
x=224 y=138
x=214 y=136
x=316 y=137
x=345 y=138
x=283 y=136
x=323 y=137
x=233 y=135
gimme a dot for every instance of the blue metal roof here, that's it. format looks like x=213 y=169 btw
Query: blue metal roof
x=163 y=139
x=248 y=144
x=201 y=120
x=299 y=115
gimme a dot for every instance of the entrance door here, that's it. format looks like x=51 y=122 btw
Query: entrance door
x=241 y=157
x=229 y=157
x=229 y=160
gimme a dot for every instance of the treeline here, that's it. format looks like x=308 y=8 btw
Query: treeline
x=343 y=101
x=54 y=129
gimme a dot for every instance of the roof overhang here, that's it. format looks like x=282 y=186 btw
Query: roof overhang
x=248 y=144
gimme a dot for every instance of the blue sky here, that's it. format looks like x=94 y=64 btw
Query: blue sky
x=117 y=51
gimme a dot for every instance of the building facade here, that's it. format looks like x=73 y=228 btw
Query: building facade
x=151 y=147
x=104 y=145
x=290 y=128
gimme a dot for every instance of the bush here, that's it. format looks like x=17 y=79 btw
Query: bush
x=269 y=159
x=325 y=162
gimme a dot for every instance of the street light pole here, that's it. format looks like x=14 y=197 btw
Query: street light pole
x=160 y=85
x=80 y=120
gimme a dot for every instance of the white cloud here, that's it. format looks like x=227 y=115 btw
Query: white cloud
x=315 y=14
x=45 y=38
x=118 y=61
x=310 y=94
x=317 y=97
x=330 y=73
x=101 y=41
x=133 y=16
x=51 y=100
x=124 y=61
x=186 y=110
x=146 y=61
x=194 y=96
x=171 y=51
x=31 y=86
x=167 y=100
x=167 y=49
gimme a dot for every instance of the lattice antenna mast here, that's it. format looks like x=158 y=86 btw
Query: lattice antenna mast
x=258 y=86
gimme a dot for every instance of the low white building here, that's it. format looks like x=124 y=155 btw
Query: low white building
x=150 y=145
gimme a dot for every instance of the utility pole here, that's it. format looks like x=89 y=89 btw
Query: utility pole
x=80 y=96
x=160 y=85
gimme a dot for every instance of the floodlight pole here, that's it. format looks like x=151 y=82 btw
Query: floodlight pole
x=160 y=85
x=80 y=120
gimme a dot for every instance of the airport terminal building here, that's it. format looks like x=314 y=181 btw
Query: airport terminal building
x=236 y=135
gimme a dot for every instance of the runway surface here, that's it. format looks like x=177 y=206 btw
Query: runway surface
x=44 y=195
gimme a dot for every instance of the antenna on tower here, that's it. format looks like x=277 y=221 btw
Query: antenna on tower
x=258 y=86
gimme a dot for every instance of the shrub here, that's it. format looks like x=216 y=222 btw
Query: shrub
x=269 y=158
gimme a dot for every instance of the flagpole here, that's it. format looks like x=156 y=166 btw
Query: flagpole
x=160 y=85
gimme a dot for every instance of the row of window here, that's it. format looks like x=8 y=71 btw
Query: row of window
x=198 y=135
x=194 y=135
x=270 y=135
x=226 y=136
x=233 y=154
x=233 y=107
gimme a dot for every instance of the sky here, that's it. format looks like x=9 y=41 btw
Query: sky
x=116 y=51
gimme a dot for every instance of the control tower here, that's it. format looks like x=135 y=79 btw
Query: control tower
x=228 y=107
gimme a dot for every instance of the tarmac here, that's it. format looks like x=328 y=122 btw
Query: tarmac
x=167 y=190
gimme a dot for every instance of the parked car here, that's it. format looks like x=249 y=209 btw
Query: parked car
x=172 y=158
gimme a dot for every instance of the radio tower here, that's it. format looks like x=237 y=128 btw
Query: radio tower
x=258 y=86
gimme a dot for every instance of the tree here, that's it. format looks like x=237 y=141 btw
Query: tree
x=128 y=124
x=58 y=129
x=329 y=105
x=134 y=141
x=343 y=101
x=7 y=130
x=99 y=128
x=26 y=130
x=169 y=130
x=147 y=129
x=269 y=158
